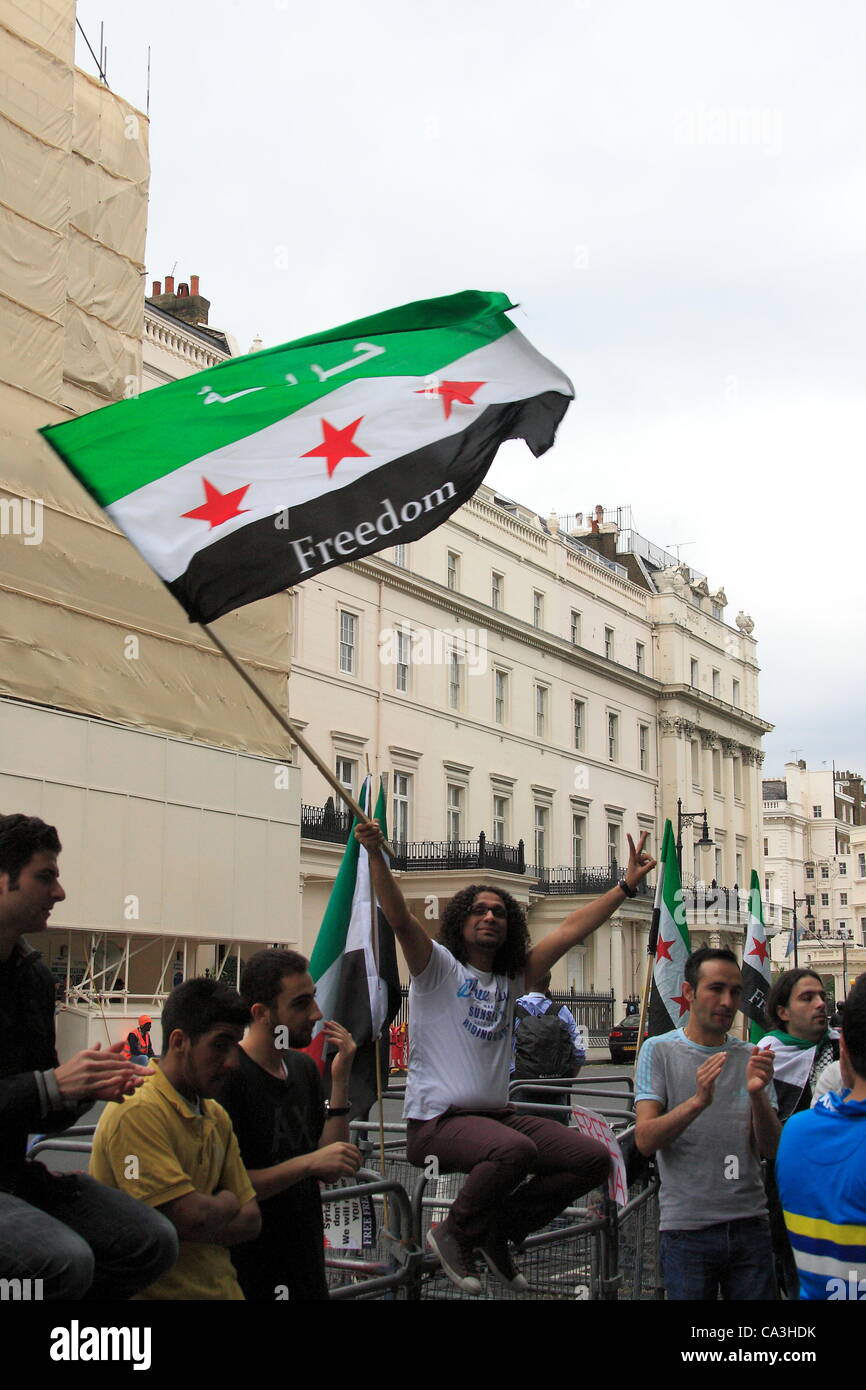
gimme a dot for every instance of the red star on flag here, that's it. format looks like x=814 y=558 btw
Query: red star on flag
x=760 y=950
x=683 y=1003
x=451 y=391
x=662 y=952
x=337 y=445
x=220 y=506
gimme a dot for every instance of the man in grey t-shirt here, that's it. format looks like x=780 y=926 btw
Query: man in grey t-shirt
x=705 y=1107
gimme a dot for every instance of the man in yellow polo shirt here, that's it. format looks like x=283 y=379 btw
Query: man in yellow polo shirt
x=175 y=1150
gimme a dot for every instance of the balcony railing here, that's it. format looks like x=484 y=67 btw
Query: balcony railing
x=482 y=853
x=566 y=880
x=326 y=823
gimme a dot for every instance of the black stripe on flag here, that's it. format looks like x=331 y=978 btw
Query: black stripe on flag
x=399 y=502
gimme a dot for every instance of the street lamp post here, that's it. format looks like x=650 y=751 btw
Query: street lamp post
x=810 y=922
x=689 y=818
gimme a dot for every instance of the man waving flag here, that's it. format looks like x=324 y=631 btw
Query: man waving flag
x=246 y=478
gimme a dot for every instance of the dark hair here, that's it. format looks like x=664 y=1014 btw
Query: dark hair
x=510 y=959
x=263 y=974
x=854 y=1026
x=781 y=991
x=20 y=838
x=699 y=958
x=197 y=1005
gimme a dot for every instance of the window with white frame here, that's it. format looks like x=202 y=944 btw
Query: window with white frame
x=825 y=925
x=843 y=868
x=348 y=643
x=497 y=590
x=537 y=608
x=453 y=570
x=843 y=899
x=639 y=657
x=613 y=844
x=500 y=696
x=578 y=836
x=541 y=694
x=810 y=870
x=863 y=931
x=454 y=811
x=542 y=816
x=346 y=770
x=816 y=813
x=608 y=643
x=400 y=555
x=643 y=746
x=716 y=610
x=401 y=805
x=861 y=865
x=825 y=899
x=578 y=708
x=718 y=864
x=766 y=846
x=501 y=809
x=575 y=628
x=455 y=679
x=612 y=736
x=735 y=693
x=717 y=683
x=403 y=654
x=693 y=678
x=825 y=871
x=739 y=870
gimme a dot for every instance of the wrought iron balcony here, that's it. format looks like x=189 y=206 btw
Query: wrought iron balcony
x=567 y=880
x=482 y=853
x=326 y=823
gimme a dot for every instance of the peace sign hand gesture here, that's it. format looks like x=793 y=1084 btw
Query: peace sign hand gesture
x=639 y=863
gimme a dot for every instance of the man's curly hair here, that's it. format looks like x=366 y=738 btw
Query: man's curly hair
x=510 y=959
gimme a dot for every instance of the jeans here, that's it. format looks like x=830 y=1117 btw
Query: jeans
x=498 y=1150
x=84 y=1240
x=734 y=1257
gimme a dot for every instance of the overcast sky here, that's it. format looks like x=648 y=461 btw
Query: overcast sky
x=675 y=194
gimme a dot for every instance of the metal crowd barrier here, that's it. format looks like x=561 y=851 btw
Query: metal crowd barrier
x=594 y=1251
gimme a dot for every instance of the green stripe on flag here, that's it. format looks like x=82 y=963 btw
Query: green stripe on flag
x=671 y=891
x=136 y=442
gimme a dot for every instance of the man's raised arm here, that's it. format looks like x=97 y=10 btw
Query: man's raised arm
x=585 y=920
x=414 y=941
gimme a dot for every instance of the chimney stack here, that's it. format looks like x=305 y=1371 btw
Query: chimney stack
x=187 y=304
x=157 y=288
x=193 y=284
x=183 y=290
x=169 y=284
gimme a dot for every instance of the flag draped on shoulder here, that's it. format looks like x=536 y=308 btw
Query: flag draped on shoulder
x=357 y=983
x=266 y=470
x=668 y=1008
x=756 y=963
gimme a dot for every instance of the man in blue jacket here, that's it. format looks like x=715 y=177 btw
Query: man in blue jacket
x=821 y=1174
x=65 y=1236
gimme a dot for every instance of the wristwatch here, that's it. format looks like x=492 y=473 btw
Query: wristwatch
x=629 y=892
x=334 y=1111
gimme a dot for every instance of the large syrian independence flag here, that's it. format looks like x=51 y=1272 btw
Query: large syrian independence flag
x=668 y=1008
x=350 y=988
x=756 y=964
x=242 y=480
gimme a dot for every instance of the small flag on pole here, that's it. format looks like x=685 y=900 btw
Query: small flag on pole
x=668 y=1007
x=264 y=471
x=357 y=983
x=756 y=964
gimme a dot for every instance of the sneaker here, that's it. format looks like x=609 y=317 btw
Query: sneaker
x=497 y=1255
x=455 y=1258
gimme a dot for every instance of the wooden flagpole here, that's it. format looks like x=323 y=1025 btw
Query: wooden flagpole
x=291 y=729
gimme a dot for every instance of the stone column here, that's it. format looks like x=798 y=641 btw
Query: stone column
x=616 y=976
x=729 y=751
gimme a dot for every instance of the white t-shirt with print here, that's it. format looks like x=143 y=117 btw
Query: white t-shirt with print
x=460 y=1025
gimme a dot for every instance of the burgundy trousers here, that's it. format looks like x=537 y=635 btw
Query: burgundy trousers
x=498 y=1149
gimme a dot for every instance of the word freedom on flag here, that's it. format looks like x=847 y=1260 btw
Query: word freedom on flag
x=242 y=480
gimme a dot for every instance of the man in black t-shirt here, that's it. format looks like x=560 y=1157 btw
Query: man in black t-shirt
x=290 y=1139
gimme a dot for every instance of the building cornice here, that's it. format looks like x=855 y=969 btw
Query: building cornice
x=712 y=705
x=494 y=620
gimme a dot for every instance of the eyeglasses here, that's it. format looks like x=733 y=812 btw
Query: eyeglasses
x=480 y=910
